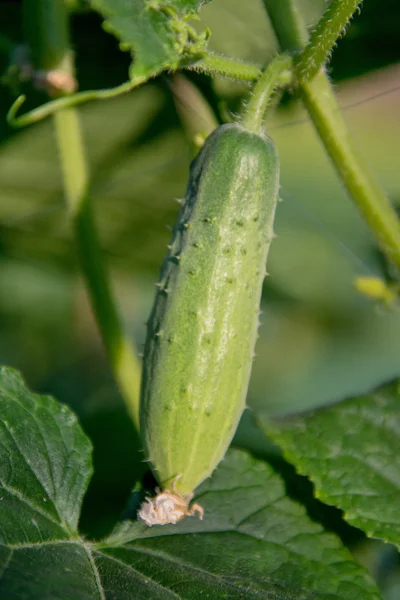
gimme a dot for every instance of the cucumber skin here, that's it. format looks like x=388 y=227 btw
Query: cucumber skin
x=203 y=327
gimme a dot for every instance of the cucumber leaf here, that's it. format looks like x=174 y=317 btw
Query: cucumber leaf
x=351 y=452
x=254 y=542
x=157 y=33
x=45 y=466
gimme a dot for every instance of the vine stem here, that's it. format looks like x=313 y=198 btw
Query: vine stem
x=121 y=355
x=49 y=108
x=50 y=17
x=287 y=23
x=323 y=38
x=217 y=64
x=319 y=99
x=278 y=71
x=211 y=64
x=321 y=103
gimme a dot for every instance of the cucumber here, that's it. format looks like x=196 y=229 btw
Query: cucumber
x=203 y=327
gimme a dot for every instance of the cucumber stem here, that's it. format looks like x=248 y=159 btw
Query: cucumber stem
x=49 y=108
x=323 y=38
x=211 y=64
x=320 y=100
x=289 y=28
x=121 y=355
x=217 y=64
x=124 y=363
x=277 y=72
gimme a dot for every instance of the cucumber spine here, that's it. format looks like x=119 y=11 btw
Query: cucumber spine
x=203 y=327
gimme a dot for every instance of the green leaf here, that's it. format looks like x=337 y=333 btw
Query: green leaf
x=45 y=466
x=156 y=32
x=254 y=543
x=351 y=452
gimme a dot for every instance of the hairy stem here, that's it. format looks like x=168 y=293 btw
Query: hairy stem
x=50 y=17
x=323 y=38
x=121 y=355
x=276 y=72
x=49 y=108
x=320 y=101
x=211 y=64
x=287 y=23
x=324 y=110
x=217 y=64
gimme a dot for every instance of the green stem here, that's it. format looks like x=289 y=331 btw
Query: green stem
x=211 y=64
x=218 y=64
x=320 y=101
x=324 y=110
x=50 y=17
x=323 y=38
x=45 y=110
x=278 y=71
x=120 y=353
x=287 y=23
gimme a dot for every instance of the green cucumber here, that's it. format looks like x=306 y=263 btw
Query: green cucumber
x=203 y=326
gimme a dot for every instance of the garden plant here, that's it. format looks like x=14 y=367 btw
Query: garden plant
x=276 y=514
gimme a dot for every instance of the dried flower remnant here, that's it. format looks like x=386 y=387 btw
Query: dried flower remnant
x=168 y=508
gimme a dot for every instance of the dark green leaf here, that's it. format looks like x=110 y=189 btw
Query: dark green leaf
x=253 y=542
x=156 y=32
x=351 y=452
x=45 y=466
x=49 y=571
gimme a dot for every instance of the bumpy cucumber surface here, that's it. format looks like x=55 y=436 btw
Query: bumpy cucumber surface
x=203 y=327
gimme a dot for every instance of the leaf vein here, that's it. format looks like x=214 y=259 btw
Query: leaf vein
x=95 y=571
x=138 y=573
x=31 y=505
x=7 y=562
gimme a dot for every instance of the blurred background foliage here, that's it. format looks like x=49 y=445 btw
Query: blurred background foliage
x=320 y=340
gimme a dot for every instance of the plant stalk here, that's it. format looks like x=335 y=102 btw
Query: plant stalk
x=50 y=17
x=289 y=28
x=121 y=355
x=217 y=64
x=323 y=38
x=211 y=64
x=276 y=72
x=49 y=108
x=319 y=98
x=321 y=103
